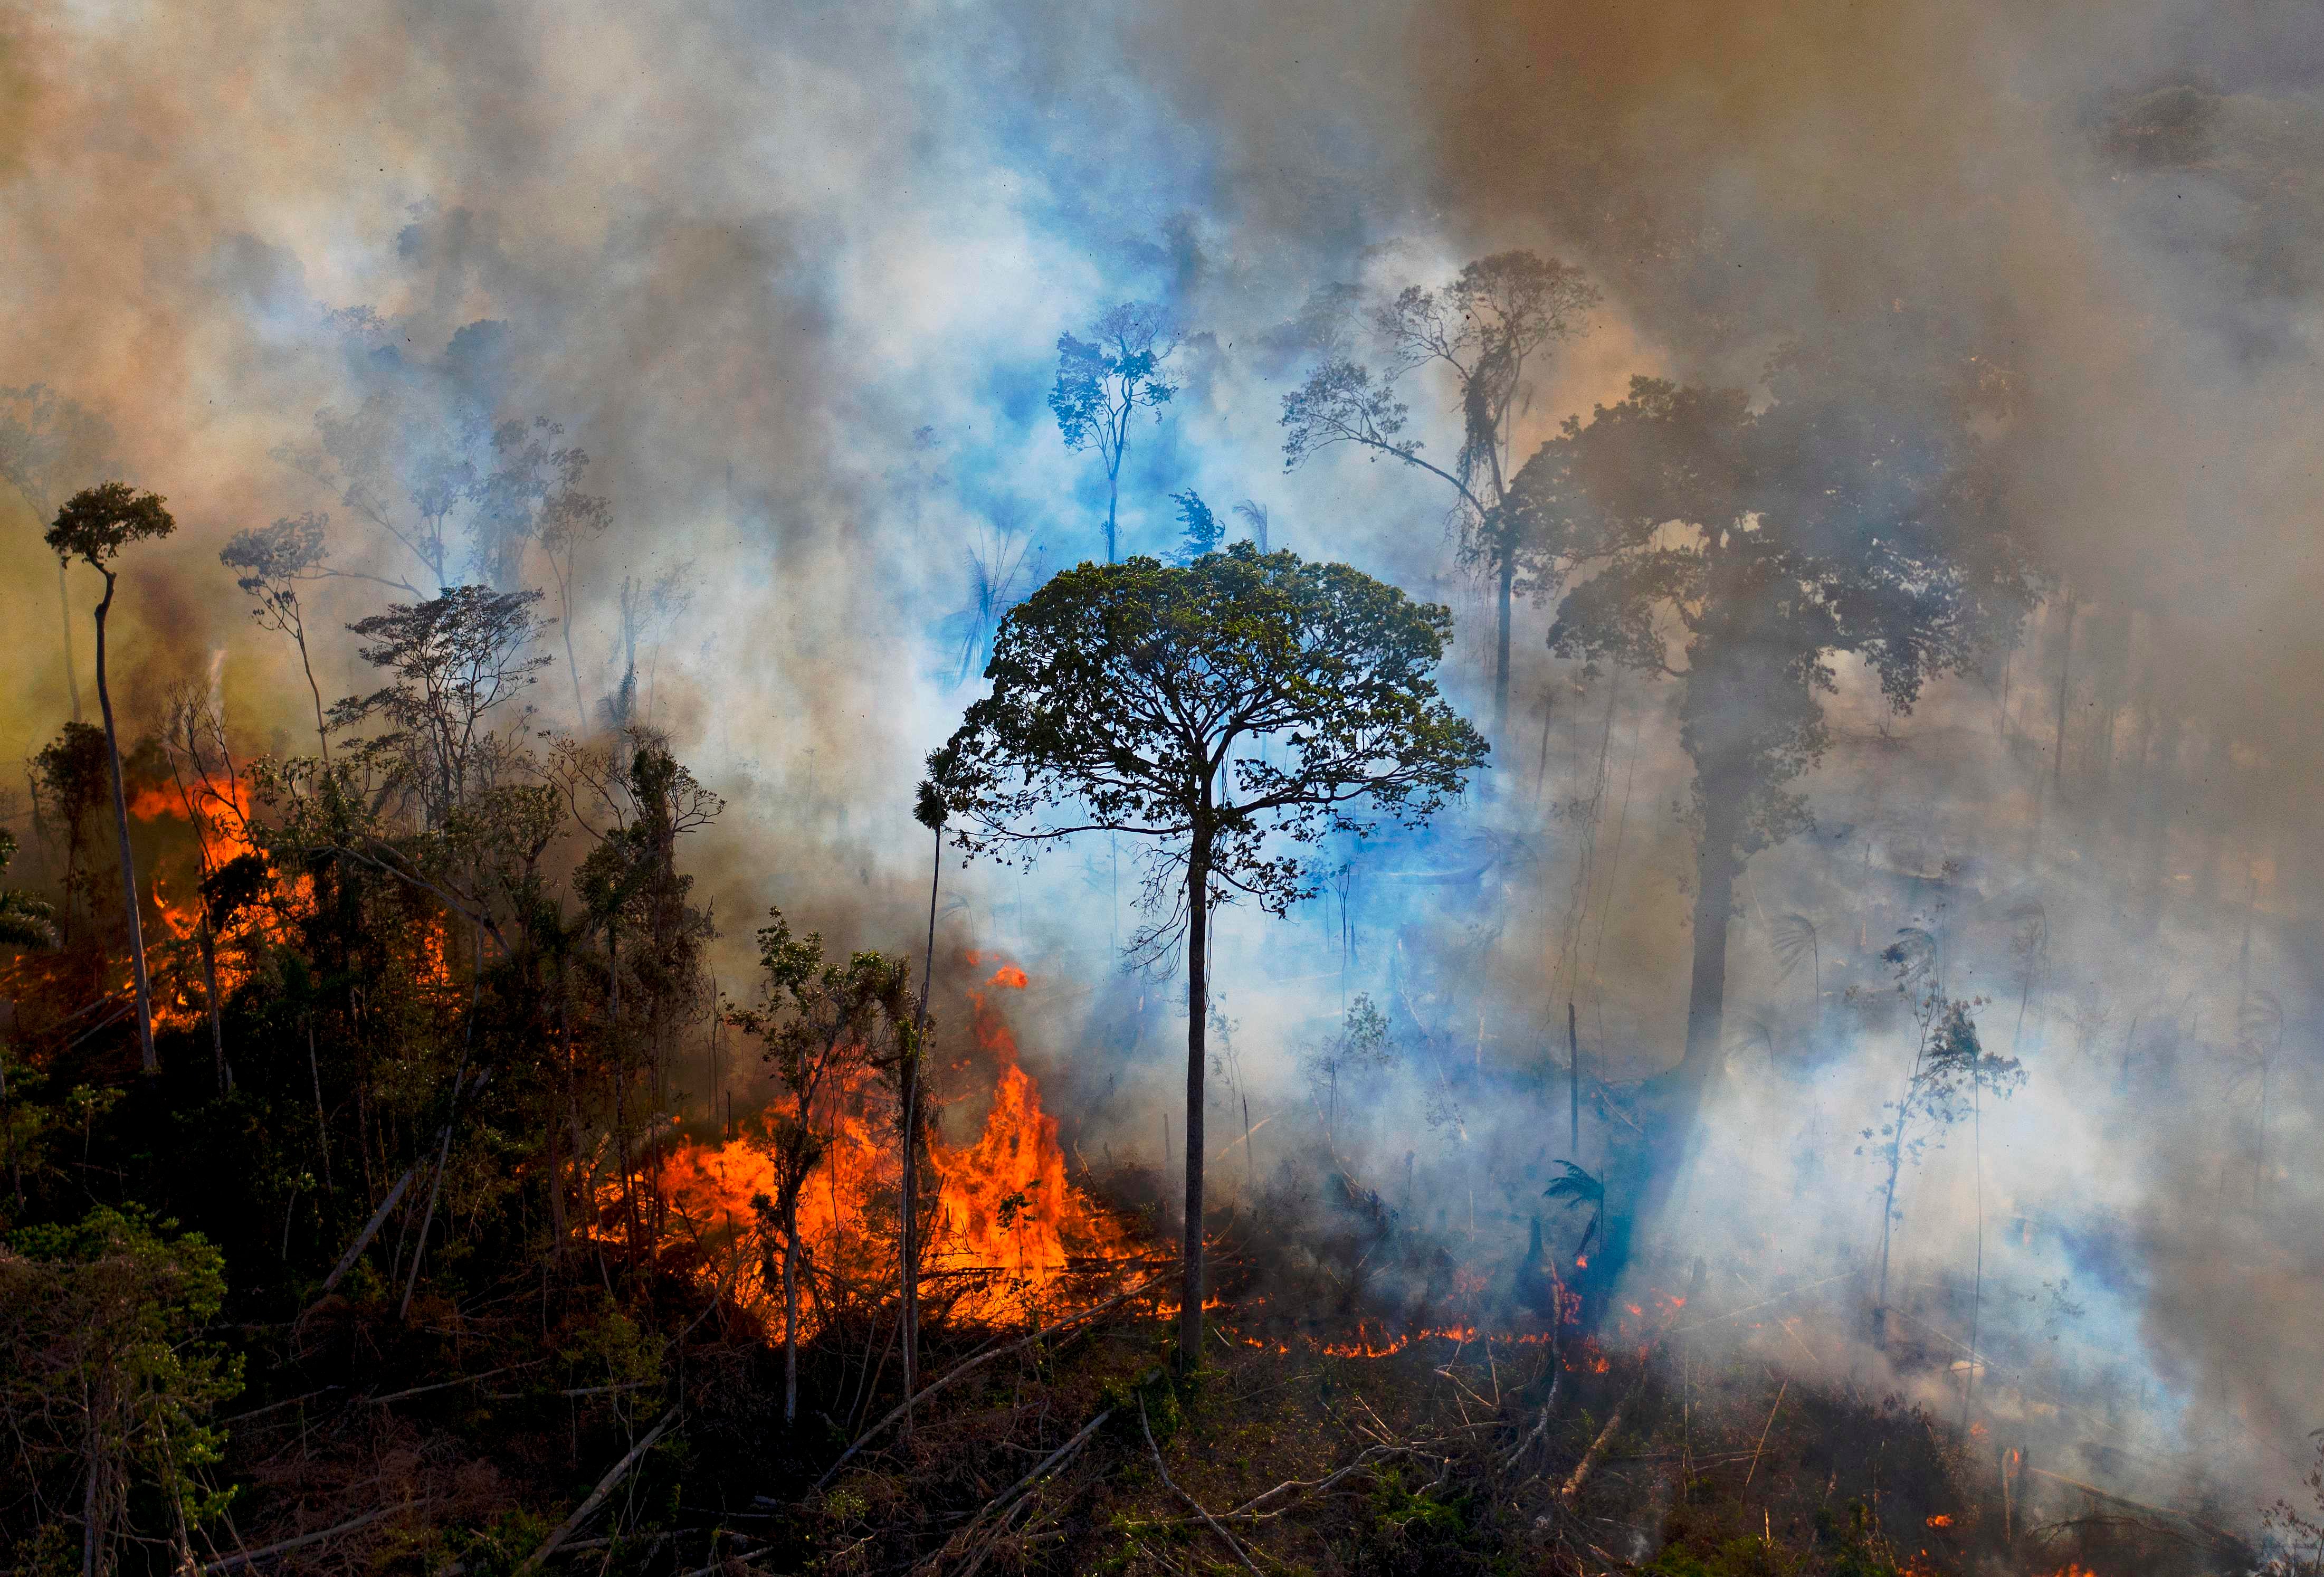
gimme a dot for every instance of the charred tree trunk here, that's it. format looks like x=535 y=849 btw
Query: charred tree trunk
x=1716 y=864
x=1198 y=884
x=908 y=1268
x=790 y=1309
x=1508 y=571
x=146 y=1060
x=210 y=996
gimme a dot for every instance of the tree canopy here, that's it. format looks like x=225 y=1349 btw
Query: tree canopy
x=1740 y=551
x=1131 y=697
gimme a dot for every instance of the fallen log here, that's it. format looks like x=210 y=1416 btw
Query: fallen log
x=245 y=1558
x=588 y=1508
x=976 y=1362
x=363 y=1239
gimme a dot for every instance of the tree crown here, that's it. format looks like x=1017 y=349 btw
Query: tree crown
x=1236 y=698
x=97 y=522
x=1841 y=518
x=1116 y=371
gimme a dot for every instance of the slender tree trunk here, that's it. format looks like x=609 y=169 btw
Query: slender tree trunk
x=72 y=675
x=908 y=1244
x=322 y=734
x=210 y=992
x=2065 y=680
x=322 y=1123
x=791 y=1313
x=1190 y=1290
x=147 y=1061
x=1574 y=1078
x=1888 y=1194
x=573 y=669
x=93 y=1498
x=1113 y=505
x=1716 y=864
x=1501 y=654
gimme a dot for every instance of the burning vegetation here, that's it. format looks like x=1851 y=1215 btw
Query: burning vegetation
x=1736 y=1011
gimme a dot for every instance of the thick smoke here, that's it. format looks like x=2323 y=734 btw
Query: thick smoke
x=792 y=277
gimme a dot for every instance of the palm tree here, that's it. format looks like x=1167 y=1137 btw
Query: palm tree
x=1575 y=1187
x=94 y=526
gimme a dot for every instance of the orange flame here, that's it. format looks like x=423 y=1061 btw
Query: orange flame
x=1008 y=1225
x=222 y=831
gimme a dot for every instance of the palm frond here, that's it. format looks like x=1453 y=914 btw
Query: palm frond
x=1575 y=1187
x=1792 y=937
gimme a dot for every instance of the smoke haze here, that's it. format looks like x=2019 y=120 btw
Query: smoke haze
x=793 y=276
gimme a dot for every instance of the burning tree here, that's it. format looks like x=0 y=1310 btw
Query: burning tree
x=94 y=526
x=822 y=1023
x=1136 y=698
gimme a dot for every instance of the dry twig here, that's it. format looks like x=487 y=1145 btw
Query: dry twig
x=1148 y=1430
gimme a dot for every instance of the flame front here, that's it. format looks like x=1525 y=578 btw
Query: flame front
x=1008 y=1225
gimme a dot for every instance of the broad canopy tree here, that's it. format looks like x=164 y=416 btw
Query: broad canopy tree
x=94 y=526
x=1135 y=698
x=1742 y=552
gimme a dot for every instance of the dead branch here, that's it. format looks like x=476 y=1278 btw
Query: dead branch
x=1008 y=1497
x=468 y=1379
x=2219 y=1536
x=1147 y=1431
x=362 y=1240
x=1371 y=1455
x=588 y=1508
x=977 y=1362
x=1605 y=1436
x=1540 y=1427
x=246 y=1557
x=1754 y=1469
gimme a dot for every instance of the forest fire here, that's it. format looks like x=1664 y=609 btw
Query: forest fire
x=219 y=817
x=1008 y=1226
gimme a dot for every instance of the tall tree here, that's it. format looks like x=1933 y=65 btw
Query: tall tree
x=1843 y=518
x=275 y=561
x=1136 y=698
x=1482 y=329
x=94 y=526
x=1105 y=380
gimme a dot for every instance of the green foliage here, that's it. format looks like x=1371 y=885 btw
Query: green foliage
x=502 y=1545
x=25 y=918
x=1414 y=1512
x=1135 y=698
x=1741 y=1557
x=97 y=522
x=106 y=1384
